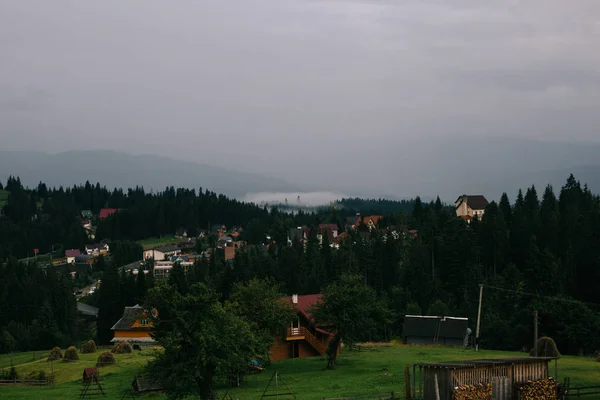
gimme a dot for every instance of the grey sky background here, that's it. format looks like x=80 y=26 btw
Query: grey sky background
x=329 y=92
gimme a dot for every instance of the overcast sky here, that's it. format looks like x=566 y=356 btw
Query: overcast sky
x=304 y=90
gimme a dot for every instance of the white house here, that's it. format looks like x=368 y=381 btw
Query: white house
x=162 y=252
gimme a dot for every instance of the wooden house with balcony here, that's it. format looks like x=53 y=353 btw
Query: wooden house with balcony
x=303 y=338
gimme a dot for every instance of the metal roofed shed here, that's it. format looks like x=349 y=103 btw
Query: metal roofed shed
x=502 y=374
x=429 y=329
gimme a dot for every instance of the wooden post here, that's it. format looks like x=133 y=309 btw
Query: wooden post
x=478 y=318
x=535 y=332
x=407 y=391
x=437 y=387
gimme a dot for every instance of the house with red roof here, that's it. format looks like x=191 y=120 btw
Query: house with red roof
x=107 y=212
x=304 y=338
x=71 y=255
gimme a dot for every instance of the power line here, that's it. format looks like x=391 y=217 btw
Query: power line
x=572 y=301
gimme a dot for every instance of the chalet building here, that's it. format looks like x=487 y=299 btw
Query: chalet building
x=427 y=329
x=71 y=255
x=369 y=221
x=469 y=207
x=134 y=326
x=303 y=338
x=162 y=269
x=97 y=249
x=162 y=252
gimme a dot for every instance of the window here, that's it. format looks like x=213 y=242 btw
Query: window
x=143 y=322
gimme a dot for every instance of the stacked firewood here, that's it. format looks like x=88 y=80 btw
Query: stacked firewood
x=473 y=392
x=543 y=389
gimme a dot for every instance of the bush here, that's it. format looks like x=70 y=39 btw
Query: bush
x=106 y=358
x=122 y=347
x=598 y=357
x=89 y=347
x=71 y=354
x=546 y=347
x=55 y=354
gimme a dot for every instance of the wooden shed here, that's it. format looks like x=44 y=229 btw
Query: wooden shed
x=501 y=373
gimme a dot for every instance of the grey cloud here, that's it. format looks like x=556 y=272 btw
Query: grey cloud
x=326 y=92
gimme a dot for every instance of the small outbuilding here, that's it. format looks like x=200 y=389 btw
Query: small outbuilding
x=428 y=329
x=500 y=376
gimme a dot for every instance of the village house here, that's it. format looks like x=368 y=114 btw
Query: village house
x=299 y=234
x=162 y=252
x=71 y=255
x=303 y=338
x=134 y=326
x=371 y=221
x=97 y=249
x=162 y=269
x=181 y=233
x=469 y=207
x=429 y=329
x=84 y=259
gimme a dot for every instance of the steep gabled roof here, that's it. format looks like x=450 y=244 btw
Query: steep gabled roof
x=130 y=315
x=476 y=202
x=72 y=253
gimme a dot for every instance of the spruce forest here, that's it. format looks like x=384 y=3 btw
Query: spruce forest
x=534 y=251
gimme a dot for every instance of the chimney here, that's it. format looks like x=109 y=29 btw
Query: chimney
x=295 y=298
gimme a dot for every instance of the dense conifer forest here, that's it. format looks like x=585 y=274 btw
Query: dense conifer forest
x=532 y=251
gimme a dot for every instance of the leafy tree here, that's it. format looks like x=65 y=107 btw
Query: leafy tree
x=259 y=302
x=202 y=341
x=438 y=308
x=178 y=279
x=350 y=310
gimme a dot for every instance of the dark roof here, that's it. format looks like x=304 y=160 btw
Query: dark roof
x=95 y=246
x=432 y=326
x=476 y=202
x=167 y=248
x=130 y=315
x=453 y=327
x=352 y=220
x=82 y=258
x=486 y=362
x=333 y=227
x=72 y=253
x=420 y=326
x=296 y=234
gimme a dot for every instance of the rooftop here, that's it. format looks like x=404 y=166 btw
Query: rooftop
x=486 y=362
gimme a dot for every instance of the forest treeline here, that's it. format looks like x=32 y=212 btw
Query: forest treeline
x=538 y=251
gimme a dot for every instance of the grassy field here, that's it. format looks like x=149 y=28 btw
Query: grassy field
x=3 y=197
x=371 y=371
x=153 y=242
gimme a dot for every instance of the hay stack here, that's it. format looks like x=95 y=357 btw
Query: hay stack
x=71 y=354
x=122 y=347
x=546 y=347
x=106 y=358
x=89 y=347
x=543 y=389
x=55 y=354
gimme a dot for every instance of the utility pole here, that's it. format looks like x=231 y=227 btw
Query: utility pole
x=535 y=332
x=478 y=318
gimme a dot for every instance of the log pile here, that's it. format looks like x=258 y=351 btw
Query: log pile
x=543 y=389
x=473 y=392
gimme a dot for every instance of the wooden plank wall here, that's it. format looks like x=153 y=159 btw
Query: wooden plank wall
x=502 y=377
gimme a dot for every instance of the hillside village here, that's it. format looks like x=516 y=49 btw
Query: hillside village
x=436 y=275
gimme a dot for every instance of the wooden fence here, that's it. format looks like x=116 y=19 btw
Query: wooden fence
x=27 y=382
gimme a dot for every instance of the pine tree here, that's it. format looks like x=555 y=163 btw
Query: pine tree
x=110 y=306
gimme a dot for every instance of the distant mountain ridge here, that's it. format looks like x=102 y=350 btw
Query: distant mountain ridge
x=115 y=169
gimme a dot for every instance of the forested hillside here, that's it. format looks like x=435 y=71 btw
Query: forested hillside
x=535 y=252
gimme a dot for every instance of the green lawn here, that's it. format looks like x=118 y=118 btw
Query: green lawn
x=154 y=241
x=6 y=360
x=379 y=370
